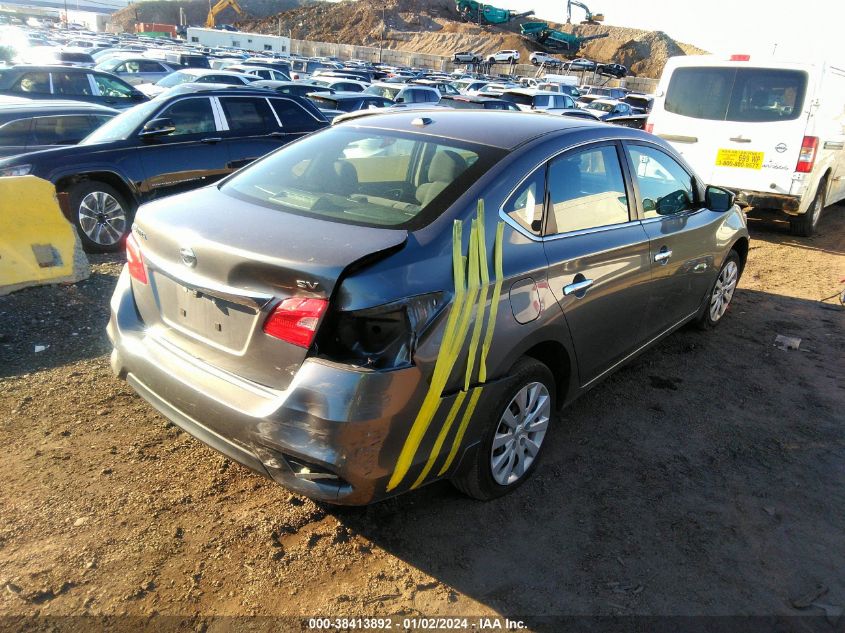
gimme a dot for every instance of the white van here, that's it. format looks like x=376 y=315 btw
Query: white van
x=770 y=130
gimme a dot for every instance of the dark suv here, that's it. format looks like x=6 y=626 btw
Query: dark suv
x=67 y=82
x=190 y=138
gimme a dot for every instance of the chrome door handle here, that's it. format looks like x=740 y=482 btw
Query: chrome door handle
x=663 y=256
x=211 y=139
x=576 y=287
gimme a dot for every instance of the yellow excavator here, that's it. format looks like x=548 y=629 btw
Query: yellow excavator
x=222 y=5
x=591 y=18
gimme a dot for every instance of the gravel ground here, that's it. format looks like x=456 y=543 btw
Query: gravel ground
x=705 y=478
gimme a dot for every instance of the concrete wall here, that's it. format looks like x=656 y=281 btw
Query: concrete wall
x=437 y=62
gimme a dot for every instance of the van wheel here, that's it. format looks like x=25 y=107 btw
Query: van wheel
x=101 y=214
x=514 y=437
x=805 y=225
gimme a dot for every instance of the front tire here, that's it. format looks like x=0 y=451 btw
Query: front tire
x=101 y=214
x=514 y=436
x=721 y=293
x=805 y=225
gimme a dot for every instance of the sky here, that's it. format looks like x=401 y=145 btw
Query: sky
x=800 y=28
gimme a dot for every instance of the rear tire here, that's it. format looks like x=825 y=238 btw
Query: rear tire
x=721 y=293
x=101 y=214
x=805 y=225
x=519 y=427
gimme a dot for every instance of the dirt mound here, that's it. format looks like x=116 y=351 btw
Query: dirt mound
x=434 y=28
x=167 y=12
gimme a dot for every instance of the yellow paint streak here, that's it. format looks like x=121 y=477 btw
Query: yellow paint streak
x=459 y=436
x=494 y=302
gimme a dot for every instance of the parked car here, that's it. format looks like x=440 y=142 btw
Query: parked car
x=338 y=85
x=474 y=102
x=469 y=86
x=466 y=57
x=539 y=58
x=296 y=88
x=136 y=70
x=334 y=104
x=641 y=104
x=442 y=86
x=189 y=138
x=503 y=56
x=581 y=64
x=532 y=99
x=66 y=82
x=321 y=356
x=197 y=76
x=262 y=72
x=612 y=70
x=47 y=56
x=404 y=93
x=281 y=65
x=603 y=92
x=179 y=58
x=609 y=108
x=302 y=69
x=495 y=89
x=769 y=130
x=28 y=125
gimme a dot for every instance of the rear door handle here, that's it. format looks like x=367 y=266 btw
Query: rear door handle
x=211 y=139
x=663 y=256
x=576 y=287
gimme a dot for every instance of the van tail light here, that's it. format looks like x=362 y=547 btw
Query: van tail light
x=807 y=157
x=295 y=320
x=649 y=127
x=740 y=58
x=135 y=261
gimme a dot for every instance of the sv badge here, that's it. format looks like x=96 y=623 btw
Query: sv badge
x=307 y=285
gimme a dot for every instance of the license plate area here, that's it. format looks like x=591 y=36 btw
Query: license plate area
x=742 y=159
x=219 y=322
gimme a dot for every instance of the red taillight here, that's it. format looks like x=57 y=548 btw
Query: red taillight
x=649 y=127
x=740 y=58
x=295 y=320
x=135 y=260
x=807 y=157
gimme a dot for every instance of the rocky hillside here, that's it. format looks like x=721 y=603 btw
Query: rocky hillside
x=167 y=12
x=433 y=27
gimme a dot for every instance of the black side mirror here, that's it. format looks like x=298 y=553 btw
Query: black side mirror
x=157 y=127
x=718 y=199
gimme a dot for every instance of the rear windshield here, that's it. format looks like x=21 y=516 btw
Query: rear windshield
x=366 y=177
x=521 y=99
x=737 y=94
x=82 y=58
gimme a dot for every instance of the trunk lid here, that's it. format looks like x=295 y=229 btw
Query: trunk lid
x=218 y=266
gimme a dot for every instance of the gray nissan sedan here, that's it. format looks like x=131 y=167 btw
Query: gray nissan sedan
x=410 y=296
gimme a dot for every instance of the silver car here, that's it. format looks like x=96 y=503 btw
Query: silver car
x=408 y=297
x=136 y=70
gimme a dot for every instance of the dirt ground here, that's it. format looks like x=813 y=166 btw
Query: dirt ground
x=705 y=478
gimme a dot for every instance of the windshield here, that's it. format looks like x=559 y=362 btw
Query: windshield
x=109 y=64
x=366 y=177
x=598 y=105
x=760 y=95
x=174 y=79
x=388 y=92
x=121 y=127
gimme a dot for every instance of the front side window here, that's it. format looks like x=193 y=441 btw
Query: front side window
x=111 y=87
x=248 y=115
x=190 y=116
x=587 y=190
x=665 y=187
x=364 y=177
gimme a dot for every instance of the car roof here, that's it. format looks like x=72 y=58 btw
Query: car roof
x=47 y=68
x=473 y=98
x=215 y=90
x=34 y=107
x=608 y=101
x=473 y=126
x=344 y=95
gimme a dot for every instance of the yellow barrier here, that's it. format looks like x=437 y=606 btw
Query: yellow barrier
x=37 y=243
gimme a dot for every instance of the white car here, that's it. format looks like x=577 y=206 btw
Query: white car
x=540 y=58
x=770 y=130
x=503 y=57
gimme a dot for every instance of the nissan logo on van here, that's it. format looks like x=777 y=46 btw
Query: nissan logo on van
x=780 y=148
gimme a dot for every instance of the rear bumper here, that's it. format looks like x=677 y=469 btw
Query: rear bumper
x=767 y=200
x=347 y=427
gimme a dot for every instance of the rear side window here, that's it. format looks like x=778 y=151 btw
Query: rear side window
x=759 y=95
x=71 y=84
x=61 y=130
x=587 y=190
x=15 y=133
x=292 y=115
x=525 y=206
x=247 y=115
x=38 y=83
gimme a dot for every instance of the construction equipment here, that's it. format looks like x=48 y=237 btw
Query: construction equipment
x=567 y=44
x=222 y=5
x=472 y=11
x=590 y=18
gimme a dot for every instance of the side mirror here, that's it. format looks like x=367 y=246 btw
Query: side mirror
x=718 y=199
x=140 y=97
x=157 y=127
x=399 y=100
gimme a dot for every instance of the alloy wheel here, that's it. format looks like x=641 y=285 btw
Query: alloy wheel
x=723 y=291
x=102 y=218
x=520 y=433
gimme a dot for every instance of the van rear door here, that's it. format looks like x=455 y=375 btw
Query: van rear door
x=739 y=126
